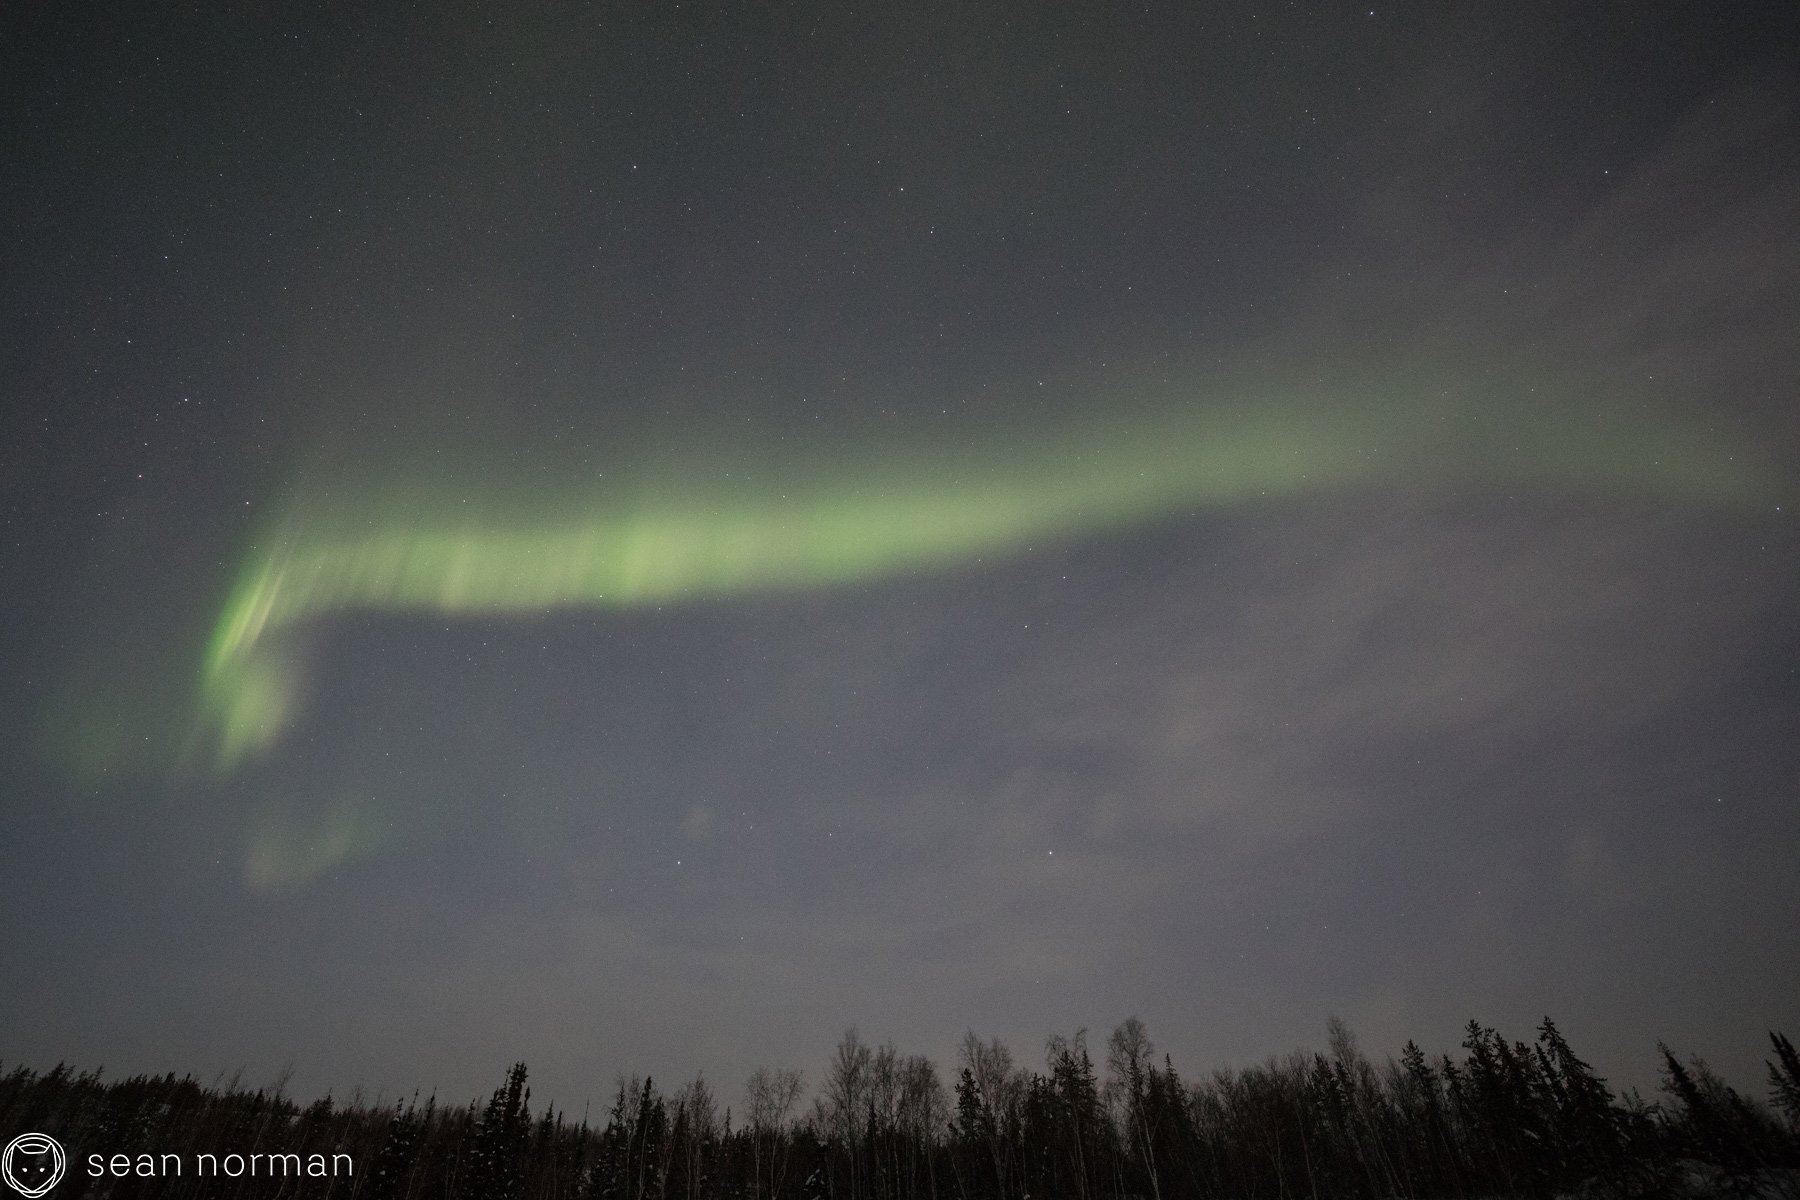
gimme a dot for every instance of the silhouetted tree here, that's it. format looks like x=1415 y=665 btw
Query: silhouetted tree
x=1784 y=1079
x=497 y=1160
x=609 y=1176
x=769 y=1099
x=393 y=1169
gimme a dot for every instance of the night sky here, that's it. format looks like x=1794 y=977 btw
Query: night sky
x=637 y=537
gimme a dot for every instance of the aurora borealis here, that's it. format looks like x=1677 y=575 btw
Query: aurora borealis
x=686 y=544
x=638 y=537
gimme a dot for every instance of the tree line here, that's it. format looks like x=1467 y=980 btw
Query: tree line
x=1503 y=1118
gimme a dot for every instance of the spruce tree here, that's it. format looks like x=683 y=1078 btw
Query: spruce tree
x=1784 y=1079
x=497 y=1161
x=393 y=1167
x=608 y=1176
x=1586 y=1124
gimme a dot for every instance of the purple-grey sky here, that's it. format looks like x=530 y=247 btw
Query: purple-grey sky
x=1449 y=669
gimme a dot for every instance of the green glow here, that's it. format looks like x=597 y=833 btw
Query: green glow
x=722 y=526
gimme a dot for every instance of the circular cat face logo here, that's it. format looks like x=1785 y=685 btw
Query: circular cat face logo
x=33 y=1164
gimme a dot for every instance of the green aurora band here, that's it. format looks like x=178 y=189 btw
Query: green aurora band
x=709 y=527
